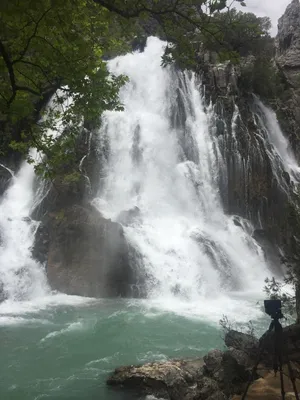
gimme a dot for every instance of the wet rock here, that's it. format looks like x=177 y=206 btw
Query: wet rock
x=241 y=341
x=41 y=243
x=237 y=221
x=128 y=217
x=85 y=254
x=139 y=43
x=207 y=388
x=217 y=396
x=236 y=371
x=172 y=380
x=3 y=296
x=298 y=302
x=5 y=178
x=270 y=249
x=213 y=361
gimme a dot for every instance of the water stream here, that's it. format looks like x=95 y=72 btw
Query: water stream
x=196 y=262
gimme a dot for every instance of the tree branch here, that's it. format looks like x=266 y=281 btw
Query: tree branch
x=11 y=73
x=38 y=67
x=24 y=51
x=27 y=89
x=135 y=13
x=15 y=88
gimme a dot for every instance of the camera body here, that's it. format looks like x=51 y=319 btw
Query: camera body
x=273 y=308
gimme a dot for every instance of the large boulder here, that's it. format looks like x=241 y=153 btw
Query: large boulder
x=85 y=254
x=174 y=380
x=288 y=61
x=241 y=341
x=288 y=42
x=213 y=361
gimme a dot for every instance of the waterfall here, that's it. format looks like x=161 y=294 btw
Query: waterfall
x=21 y=277
x=163 y=165
x=276 y=145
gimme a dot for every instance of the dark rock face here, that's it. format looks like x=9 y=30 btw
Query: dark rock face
x=288 y=41
x=128 y=217
x=213 y=360
x=298 y=302
x=2 y=292
x=170 y=380
x=85 y=254
x=241 y=341
x=5 y=178
x=248 y=185
x=288 y=61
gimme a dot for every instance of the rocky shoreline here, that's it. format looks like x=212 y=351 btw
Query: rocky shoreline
x=220 y=375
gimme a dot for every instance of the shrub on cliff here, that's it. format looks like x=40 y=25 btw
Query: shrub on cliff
x=239 y=34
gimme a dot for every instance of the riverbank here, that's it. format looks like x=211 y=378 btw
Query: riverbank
x=220 y=375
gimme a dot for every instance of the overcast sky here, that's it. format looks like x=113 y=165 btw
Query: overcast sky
x=270 y=8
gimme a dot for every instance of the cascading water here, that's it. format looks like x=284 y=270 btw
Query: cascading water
x=162 y=159
x=163 y=164
x=276 y=145
x=21 y=277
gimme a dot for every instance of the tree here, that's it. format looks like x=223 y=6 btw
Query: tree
x=50 y=46
x=242 y=33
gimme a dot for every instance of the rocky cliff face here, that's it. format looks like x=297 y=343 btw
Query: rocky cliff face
x=288 y=61
x=84 y=253
x=248 y=185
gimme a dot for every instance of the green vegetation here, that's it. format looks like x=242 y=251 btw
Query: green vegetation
x=50 y=46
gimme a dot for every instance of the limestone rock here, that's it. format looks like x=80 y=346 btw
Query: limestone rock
x=288 y=42
x=129 y=216
x=288 y=61
x=241 y=341
x=5 y=178
x=213 y=361
x=85 y=254
x=172 y=380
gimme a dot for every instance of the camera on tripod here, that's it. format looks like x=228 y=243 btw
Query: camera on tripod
x=273 y=308
x=280 y=356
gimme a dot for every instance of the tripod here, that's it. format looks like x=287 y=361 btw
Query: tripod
x=277 y=356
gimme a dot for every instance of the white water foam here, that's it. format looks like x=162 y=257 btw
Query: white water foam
x=280 y=149
x=192 y=253
x=21 y=277
x=196 y=261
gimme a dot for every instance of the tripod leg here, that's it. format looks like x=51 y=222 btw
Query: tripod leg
x=284 y=351
x=278 y=350
x=281 y=378
x=292 y=376
x=261 y=350
x=254 y=370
